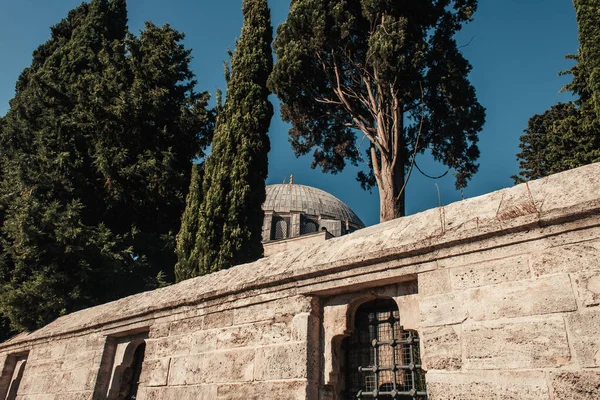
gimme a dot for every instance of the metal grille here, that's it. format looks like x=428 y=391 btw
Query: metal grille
x=383 y=359
x=280 y=228
x=309 y=225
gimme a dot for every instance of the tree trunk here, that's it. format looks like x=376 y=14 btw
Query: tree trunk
x=391 y=199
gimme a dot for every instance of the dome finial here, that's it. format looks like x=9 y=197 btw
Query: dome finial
x=291 y=179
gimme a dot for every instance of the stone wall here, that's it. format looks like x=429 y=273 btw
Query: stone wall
x=503 y=289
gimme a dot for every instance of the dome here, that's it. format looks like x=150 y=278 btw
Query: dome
x=293 y=198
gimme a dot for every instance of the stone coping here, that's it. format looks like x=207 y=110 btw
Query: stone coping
x=553 y=200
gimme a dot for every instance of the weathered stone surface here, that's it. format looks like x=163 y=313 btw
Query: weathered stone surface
x=155 y=372
x=546 y=295
x=490 y=273
x=580 y=257
x=195 y=343
x=522 y=344
x=584 y=328
x=588 y=285
x=271 y=310
x=434 y=283
x=477 y=385
x=158 y=330
x=203 y=392
x=281 y=362
x=218 y=319
x=185 y=326
x=442 y=348
x=292 y=390
x=578 y=385
x=252 y=335
x=566 y=189
x=444 y=309
x=274 y=329
x=228 y=366
x=186 y=370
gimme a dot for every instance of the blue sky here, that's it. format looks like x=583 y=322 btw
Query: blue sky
x=516 y=47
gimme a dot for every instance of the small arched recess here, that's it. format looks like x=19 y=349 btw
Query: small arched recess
x=369 y=351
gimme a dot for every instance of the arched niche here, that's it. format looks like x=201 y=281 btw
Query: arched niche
x=339 y=314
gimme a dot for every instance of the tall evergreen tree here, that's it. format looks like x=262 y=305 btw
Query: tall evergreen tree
x=96 y=151
x=568 y=135
x=389 y=71
x=229 y=230
x=187 y=261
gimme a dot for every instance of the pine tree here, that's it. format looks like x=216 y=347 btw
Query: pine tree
x=588 y=19
x=187 y=262
x=568 y=135
x=229 y=230
x=389 y=71
x=96 y=151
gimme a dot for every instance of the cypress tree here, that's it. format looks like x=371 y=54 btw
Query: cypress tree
x=187 y=262
x=230 y=226
x=96 y=151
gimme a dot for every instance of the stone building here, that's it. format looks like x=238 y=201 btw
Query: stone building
x=298 y=215
x=495 y=297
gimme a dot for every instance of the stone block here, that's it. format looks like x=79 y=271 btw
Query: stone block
x=539 y=342
x=584 y=328
x=87 y=395
x=203 y=392
x=158 y=331
x=574 y=258
x=434 y=283
x=186 y=326
x=442 y=348
x=281 y=362
x=174 y=346
x=488 y=250
x=155 y=372
x=252 y=335
x=551 y=294
x=479 y=385
x=444 y=309
x=576 y=385
x=289 y=306
x=218 y=319
x=588 y=287
x=291 y=390
x=490 y=273
x=228 y=366
x=569 y=188
x=186 y=370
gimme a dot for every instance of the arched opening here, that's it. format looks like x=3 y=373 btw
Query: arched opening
x=131 y=374
x=308 y=225
x=14 y=385
x=280 y=228
x=126 y=376
x=382 y=359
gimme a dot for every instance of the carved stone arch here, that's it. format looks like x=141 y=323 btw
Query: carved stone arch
x=338 y=324
x=339 y=314
x=124 y=374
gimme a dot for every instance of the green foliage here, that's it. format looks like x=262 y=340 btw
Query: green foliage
x=568 y=135
x=231 y=217
x=187 y=262
x=96 y=151
x=389 y=71
x=588 y=19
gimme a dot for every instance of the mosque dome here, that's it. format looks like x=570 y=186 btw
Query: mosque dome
x=293 y=210
x=289 y=198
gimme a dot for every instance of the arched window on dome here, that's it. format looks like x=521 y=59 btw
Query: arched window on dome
x=280 y=228
x=383 y=360
x=308 y=225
